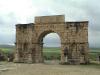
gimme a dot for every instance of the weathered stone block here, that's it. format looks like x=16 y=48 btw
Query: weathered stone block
x=73 y=35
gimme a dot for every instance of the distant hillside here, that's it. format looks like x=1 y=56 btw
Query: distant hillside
x=7 y=46
x=12 y=46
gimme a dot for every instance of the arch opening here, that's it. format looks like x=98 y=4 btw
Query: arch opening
x=51 y=47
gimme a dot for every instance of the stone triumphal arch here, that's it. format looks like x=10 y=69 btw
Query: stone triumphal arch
x=73 y=35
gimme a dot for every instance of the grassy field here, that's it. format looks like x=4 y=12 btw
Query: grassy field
x=93 y=52
x=49 y=52
x=7 y=48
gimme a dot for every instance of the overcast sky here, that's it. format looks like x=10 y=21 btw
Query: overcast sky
x=23 y=11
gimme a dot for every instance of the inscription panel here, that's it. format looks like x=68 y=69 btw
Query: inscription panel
x=49 y=19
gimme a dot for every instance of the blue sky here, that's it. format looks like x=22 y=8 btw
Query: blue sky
x=23 y=11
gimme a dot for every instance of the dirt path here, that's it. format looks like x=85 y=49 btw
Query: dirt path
x=44 y=69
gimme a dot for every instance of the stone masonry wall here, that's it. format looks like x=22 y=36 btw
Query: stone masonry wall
x=73 y=35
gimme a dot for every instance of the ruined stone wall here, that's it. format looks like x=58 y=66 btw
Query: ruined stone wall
x=76 y=40
x=73 y=35
x=23 y=42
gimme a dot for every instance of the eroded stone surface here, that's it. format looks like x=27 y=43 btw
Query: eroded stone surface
x=73 y=35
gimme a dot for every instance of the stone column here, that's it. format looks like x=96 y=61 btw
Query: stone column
x=29 y=58
x=86 y=57
x=73 y=54
x=63 y=58
x=39 y=53
x=16 y=58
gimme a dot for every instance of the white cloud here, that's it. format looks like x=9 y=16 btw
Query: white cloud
x=52 y=40
x=24 y=11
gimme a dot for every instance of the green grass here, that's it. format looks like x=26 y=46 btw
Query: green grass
x=48 y=52
x=7 y=50
x=51 y=52
x=54 y=51
x=94 y=53
x=51 y=49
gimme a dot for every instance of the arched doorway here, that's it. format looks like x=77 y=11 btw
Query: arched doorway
x=51 y=48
